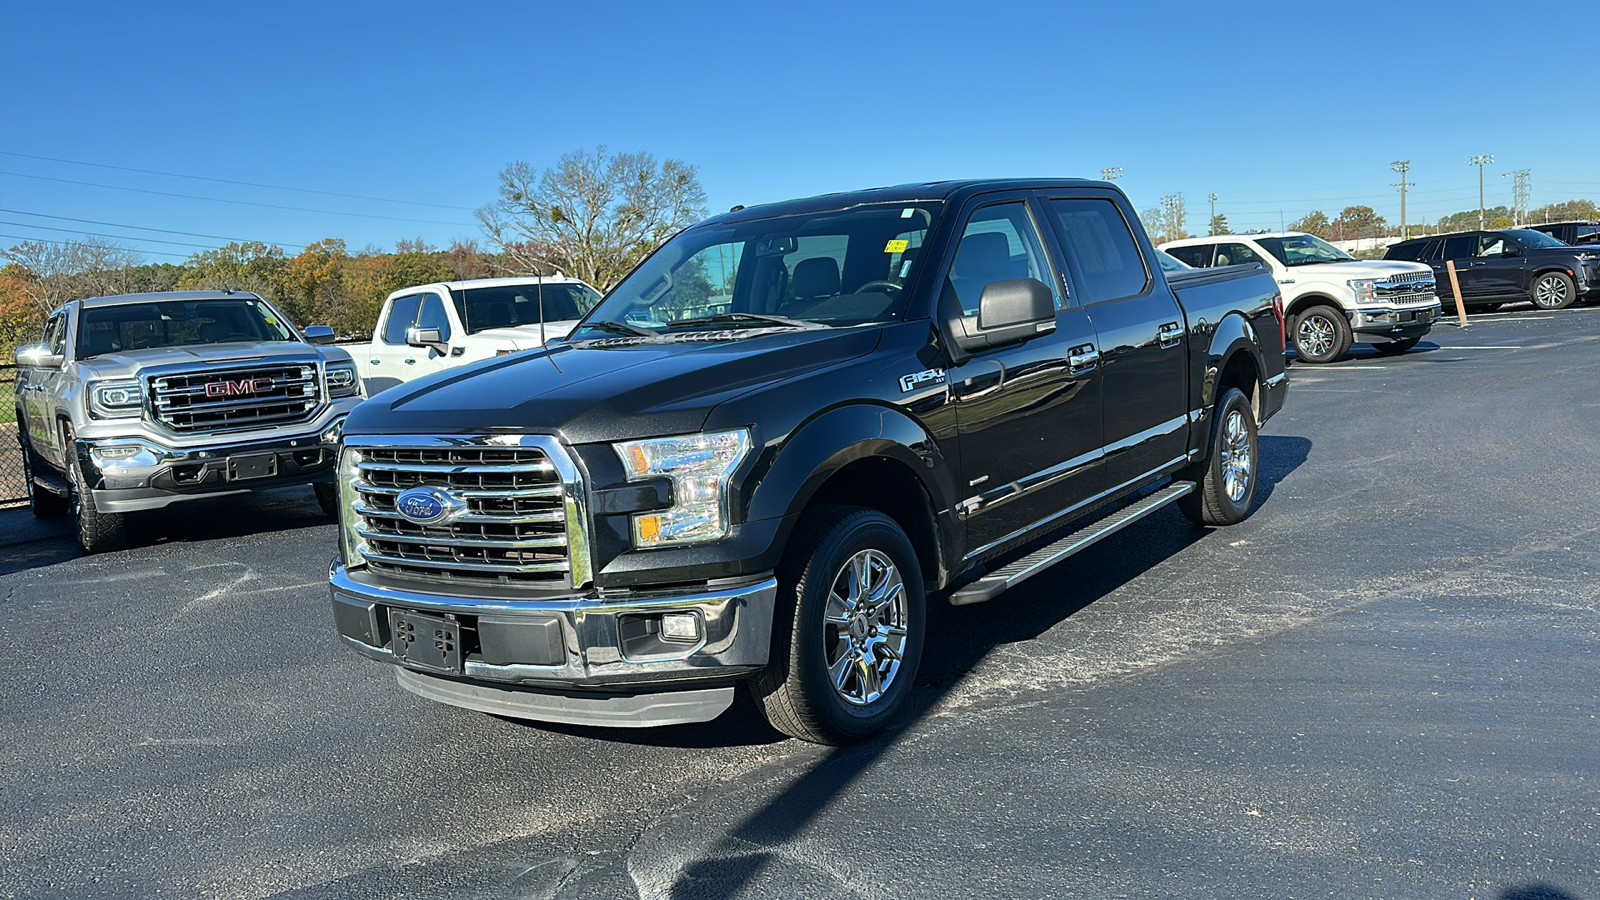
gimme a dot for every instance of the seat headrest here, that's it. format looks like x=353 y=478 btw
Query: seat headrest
x=494 y=315
x=985 y=257
x=816 y=277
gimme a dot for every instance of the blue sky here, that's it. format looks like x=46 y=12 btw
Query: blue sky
x=1273 y=106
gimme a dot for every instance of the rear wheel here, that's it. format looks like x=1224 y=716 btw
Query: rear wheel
x=1225 y=481
x=1321 y=335
x=42 y=503
x=848 y=635
x=1553 y=290
x=98 y=532
x=1395 y=348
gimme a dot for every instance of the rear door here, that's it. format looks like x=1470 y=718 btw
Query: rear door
x=1141 y=331
x=1459 y=249
x=1028 y=413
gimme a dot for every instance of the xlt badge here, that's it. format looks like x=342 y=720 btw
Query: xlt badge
x=918 y=379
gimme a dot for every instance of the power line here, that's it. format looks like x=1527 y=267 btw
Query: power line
x=322 y=212
x=254 y=184
x=112 y=236
x=23 y=212
x=18 y=237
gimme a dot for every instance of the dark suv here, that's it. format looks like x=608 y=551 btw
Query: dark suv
x=1496 y=267
x=1573 y=233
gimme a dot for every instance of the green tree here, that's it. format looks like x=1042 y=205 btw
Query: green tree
x=1467 y=219
x=593 y=215
x=1358 y=222
x=1219 y=224
x=249 y=266
x=1566 y=211
x=1315 y=222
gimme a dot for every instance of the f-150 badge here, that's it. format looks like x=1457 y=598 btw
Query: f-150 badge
x=918 y=379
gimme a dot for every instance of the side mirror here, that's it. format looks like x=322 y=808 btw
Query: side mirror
x=417 y=336
x=319 y=334
x=38 y=356
x=1008 y=311
x=1511 y=251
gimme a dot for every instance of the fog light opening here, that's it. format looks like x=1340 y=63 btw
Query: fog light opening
x=684 y=627
x=115 y=452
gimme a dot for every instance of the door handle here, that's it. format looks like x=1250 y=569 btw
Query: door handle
x=376 y=361
x=1470 y=265
x=1170 y=334
x=1082 y=359
x=411 y=362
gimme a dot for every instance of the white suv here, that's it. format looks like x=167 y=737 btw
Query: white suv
x=1330 y=297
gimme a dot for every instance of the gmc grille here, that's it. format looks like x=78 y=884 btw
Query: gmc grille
x=234 y=399
x=513 y=530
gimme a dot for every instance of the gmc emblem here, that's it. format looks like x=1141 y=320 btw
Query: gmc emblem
x=232 y=388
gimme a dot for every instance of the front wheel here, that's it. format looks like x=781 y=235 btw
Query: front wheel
x=1553 y=290
x=98 y=532
x=849 y=630
x=1225 y=481
x=1395 y=348
x=1321 y=335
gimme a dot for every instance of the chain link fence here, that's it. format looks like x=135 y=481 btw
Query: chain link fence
x=12 y=488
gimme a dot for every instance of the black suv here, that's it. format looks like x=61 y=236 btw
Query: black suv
x=1496 y=267
x=1574 y=233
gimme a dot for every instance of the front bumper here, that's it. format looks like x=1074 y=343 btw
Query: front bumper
x=1391 y=324
x=136 y=473
x=571 y=658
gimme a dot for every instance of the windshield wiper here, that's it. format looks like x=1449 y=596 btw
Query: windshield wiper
x=753 y=318
x=621 y=328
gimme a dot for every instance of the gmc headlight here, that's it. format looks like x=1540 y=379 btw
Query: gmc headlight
x=699 y=466
x=116 y=399
x=349 y=542
x=342 y=380
x=1365 y=293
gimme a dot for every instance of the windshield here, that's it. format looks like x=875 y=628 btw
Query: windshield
x=504 y=306
x=178 y=323
x=830 y=268
x=1303 y=250
x=1535 y=238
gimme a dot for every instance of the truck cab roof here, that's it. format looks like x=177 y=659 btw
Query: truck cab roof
x=949 y=191
x=160 y=296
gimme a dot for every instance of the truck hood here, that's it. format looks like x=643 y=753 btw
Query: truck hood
x=127 y=363
x=607 y=390
x=1366 y=268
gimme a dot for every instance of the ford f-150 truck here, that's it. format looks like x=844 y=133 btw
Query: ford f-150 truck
x=757 y=458
x=138 y=401
x=430 y=327
x=1332 y=298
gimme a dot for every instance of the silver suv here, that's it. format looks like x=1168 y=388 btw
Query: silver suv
x=139 y=401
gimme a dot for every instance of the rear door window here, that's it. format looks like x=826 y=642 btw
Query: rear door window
x=1198 y=255
x=1461 y=246
x=402 y=315
x=1101 y=244
x=1236 y=254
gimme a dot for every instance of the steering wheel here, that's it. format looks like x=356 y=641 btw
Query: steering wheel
x=235 y=334
x=887 y=287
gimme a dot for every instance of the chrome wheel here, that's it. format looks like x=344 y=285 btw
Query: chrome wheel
x=1551 y=292
x=865 y=627
x=1237 y=461
x=1315 y=336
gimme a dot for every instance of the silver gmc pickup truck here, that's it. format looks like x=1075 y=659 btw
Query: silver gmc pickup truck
x=138 y=401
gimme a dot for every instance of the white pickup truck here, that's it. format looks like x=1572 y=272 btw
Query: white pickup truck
x=1332 y=298
x=431 y=327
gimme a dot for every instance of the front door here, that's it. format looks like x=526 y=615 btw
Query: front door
x=1144 y=354
x=1497 y=269
x=393 y=361
x=1028 y=413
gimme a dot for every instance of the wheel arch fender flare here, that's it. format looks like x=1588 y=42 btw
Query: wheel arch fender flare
x=1306 y=301
x=1234 y=338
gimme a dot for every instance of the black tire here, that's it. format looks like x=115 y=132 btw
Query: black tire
x=98 y=532
x=796 y=691
x=1233 y=450
x=1395 y=348
x=42 y=503
x=1553 y=290
x=1484 y=307
x=327 y=498
x=1321 y=335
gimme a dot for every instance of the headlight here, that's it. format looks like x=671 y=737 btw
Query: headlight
x=1365 y=293
x=342 y=380
x=699 y=466
x=349 y=541
x=116 y=399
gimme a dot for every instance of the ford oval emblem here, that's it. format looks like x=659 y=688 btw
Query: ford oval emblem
x=428 y=505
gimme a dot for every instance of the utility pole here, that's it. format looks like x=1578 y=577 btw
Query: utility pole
x=1402 y=166
x=1111 y=173
x=1519 y=195
x=1172 y=215
x=1211 y=225
x=1480 y=161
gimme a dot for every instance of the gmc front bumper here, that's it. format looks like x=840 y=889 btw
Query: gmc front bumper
x=571 y=659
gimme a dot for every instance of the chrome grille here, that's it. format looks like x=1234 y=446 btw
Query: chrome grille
x=232 y=399
x=1403 y=277
x=1406 y=288
x=512 y=531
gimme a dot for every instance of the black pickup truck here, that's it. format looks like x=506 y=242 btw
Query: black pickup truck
x=754 y=462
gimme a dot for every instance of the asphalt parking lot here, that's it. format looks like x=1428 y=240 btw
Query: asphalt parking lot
x=1384 y=684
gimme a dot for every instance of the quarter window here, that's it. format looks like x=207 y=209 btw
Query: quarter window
x=1098 y=239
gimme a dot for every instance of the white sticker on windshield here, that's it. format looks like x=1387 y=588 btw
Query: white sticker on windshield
x=908 y=212
x=905 y=269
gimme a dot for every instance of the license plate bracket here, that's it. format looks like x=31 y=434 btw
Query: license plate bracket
x=257 y=465
x=424 y=640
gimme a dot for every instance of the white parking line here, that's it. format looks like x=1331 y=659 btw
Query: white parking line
x=1479 y=347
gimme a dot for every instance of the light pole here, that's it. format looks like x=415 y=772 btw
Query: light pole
x=1402 y=166
x=1480 y=161
x=1212 y=225
x=1111 y=173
